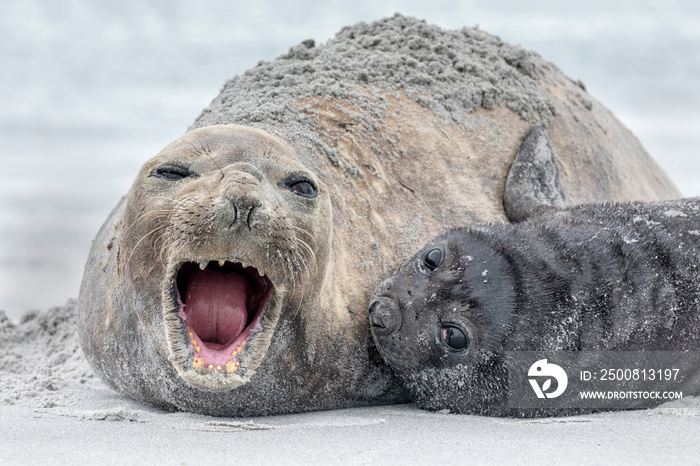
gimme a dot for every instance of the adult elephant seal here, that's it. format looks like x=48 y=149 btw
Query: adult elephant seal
x=310 y=178
x=220 y=284
x=452 y=320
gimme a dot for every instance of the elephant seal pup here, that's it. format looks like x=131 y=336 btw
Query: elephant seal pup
x=620 y=277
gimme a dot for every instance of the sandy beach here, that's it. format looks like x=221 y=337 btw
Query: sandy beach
x=100 y=426
x=53 y=410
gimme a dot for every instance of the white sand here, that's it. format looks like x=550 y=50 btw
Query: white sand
x=53 y=410
x=102 y=426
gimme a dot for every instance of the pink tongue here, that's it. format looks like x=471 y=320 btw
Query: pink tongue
x=216 y=306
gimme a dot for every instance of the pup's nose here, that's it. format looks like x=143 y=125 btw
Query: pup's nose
x=384 y=315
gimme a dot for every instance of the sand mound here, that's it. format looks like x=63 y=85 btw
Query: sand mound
x=452 y=72
x=41 y=357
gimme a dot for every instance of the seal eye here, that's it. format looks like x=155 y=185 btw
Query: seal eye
x=171 y=173
x=300 y=186
x=454 y=338
x=433 y=259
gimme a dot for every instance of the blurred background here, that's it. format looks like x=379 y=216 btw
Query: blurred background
x=91 y=89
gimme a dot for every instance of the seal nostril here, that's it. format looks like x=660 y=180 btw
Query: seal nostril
x=245 y=211
x=252 y=219
x=376 y=317
x=385 y=316
x=235 y=211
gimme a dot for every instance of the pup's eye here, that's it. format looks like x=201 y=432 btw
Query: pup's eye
x=171 y=173
x=433 y=259
x=300 y=186
x=454 y=338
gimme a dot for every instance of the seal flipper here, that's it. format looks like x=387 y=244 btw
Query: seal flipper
x=533 y=185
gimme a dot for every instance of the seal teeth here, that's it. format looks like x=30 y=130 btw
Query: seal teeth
x=198 y=363
x=221 y=263
x=203 y=265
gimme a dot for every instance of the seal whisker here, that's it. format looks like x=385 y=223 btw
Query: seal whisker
x=308 y=235
x=139 y=242
x=306 y=283
x=160 y=237
x=177 y=202
x=297 y=267
x=288 y=225
x=155 y=213
x=307 y=248
x=287 y=263
x=301 y=268
x=302 y=290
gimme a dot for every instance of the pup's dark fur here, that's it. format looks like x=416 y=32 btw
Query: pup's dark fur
x=617 y=277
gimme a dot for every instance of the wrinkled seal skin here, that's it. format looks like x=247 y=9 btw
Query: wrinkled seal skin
x=622 y=277
x=231 y=206
x=390 y=171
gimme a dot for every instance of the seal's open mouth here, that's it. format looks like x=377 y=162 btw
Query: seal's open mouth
x=222 y=306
